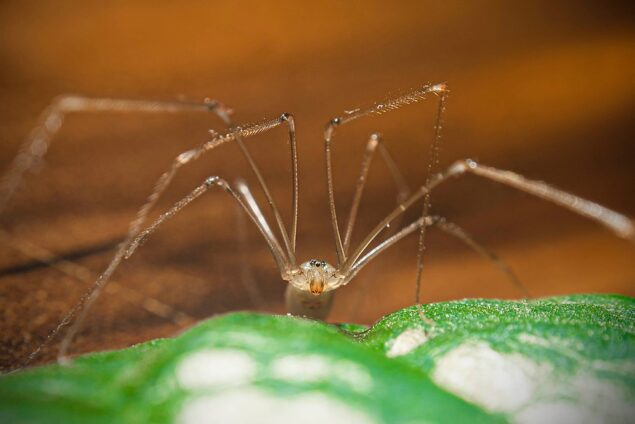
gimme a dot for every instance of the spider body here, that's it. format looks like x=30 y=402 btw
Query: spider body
x=316 y=277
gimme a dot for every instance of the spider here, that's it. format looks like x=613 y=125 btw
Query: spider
x=311 y=284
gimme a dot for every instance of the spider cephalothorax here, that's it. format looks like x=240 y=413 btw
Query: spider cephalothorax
x=316 y=276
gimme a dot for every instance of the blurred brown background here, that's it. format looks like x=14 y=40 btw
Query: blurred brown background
x=543 y=88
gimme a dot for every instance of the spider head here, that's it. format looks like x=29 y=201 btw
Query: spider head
x=316 y=276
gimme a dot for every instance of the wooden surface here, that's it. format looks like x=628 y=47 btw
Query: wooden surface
x=545 y=89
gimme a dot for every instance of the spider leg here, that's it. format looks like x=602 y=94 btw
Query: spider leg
x=449 y=228
x=36 y=145
x=427 y=203
x=246 y=276
x=375 y=142
x=621 y=225
x=125 y=251
x=289 y=241
x=252 y=205
x=379 y=109
x=458 y=232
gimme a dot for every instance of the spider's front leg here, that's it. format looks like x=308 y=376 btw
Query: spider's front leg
x=395 y=103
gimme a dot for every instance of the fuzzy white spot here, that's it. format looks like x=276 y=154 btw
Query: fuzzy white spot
x=302 y=368
x=251 y=405
x=499 y=382
x=214 y=367
x=529 y=391
x=406 y=342
x=313 y=368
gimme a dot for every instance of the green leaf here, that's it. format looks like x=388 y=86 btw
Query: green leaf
x=567 y=357
x=466 y=361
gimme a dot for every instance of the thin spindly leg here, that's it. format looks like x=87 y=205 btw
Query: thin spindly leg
x=375 y=142
x=274 y=246
x=289 y=242
x=246 y=275
x=391 y=104
x=86 y=301
x=621 y=225
x=427 y=204
x=458 y=232
x=251 y=203
x=447 y=227
x=39 y=140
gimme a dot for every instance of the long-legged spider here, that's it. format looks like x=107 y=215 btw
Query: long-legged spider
x=311 y=283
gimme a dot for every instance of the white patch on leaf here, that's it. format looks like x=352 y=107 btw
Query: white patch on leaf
x=496 y=381
x=251 y=405
x=314 y=368
x=301 y=368
x=215 y=367
x=529 y=391
x=406 y=342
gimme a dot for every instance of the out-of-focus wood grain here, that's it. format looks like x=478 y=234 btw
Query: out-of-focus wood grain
x=545 y=89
